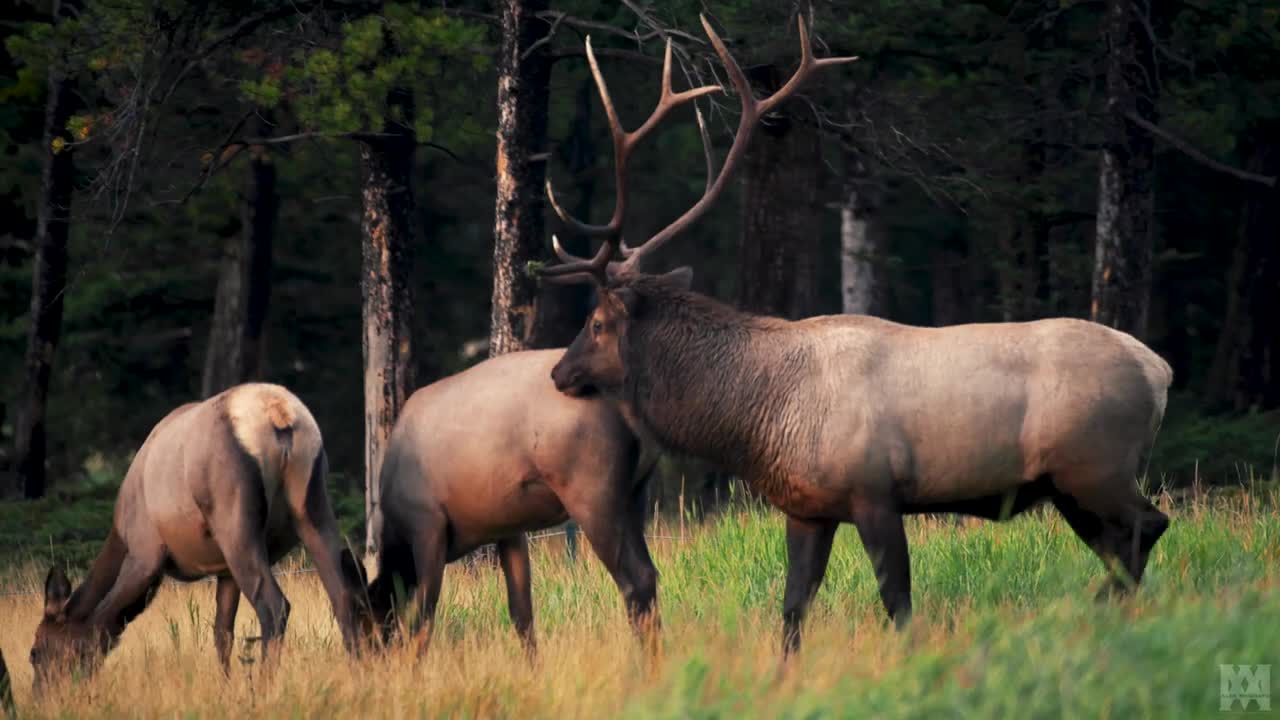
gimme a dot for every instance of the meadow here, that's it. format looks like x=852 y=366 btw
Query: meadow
x=1005 y=626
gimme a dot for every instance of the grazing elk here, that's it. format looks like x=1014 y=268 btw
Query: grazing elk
x=856 y=419
x=222 y=487
x=495 y=451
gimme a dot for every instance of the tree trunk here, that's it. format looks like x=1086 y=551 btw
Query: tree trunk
x=779 y=241
x=235 y=352
x=570 y=303
x=1122 y=260
x=1246 y=363
x=522 y=317
x=387 y=299
x=857 y=246
x=48 y=281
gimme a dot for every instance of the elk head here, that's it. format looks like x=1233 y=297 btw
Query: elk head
x=64 y=643
x=597 y=357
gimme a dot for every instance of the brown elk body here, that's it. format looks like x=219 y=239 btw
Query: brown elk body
x=493 y=452
x=861 y=420
x=223 y=487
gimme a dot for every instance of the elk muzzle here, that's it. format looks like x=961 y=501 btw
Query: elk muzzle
x=568 y=380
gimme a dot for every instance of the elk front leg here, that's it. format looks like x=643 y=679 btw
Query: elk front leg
x=619 y=543
x=885 y=540
x=513 y=553
x=134 y=586
x=808 y=549
x=227 y=598
x=430 y=549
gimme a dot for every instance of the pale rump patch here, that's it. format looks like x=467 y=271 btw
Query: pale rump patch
x=258 y=414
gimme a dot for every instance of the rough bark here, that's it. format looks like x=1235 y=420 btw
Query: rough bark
x=857 y=244
x=778 y=251
x=235 y=352
x=521 y=316
x=48 y=282
x=1246 y=363
x=1122 y=260
x=387 y=299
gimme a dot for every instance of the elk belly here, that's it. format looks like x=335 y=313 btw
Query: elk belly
x=192 y=551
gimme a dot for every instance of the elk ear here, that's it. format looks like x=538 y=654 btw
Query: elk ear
x=681 y=278
x=629 y=299
x=57 y=590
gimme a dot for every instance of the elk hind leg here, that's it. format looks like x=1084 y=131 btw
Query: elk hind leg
x=224 y=624
x=318 y=529
x=885 y=540
x=237 y=529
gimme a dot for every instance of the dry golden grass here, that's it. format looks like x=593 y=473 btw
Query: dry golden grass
x=587 y=667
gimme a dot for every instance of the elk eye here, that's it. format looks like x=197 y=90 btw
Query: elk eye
x=597 y=327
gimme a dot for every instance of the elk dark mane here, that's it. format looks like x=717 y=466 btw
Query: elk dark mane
x=718 y=383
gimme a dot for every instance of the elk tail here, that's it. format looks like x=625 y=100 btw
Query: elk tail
x=277 y=430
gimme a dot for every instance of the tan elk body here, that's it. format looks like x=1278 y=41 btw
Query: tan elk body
x=856 y=419
x=223 y=487
x=493 y=452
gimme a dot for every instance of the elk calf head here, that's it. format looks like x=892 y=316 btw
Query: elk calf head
x=63 y=644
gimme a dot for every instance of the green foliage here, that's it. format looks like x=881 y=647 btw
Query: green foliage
x=344 y=87
x=1215 y=449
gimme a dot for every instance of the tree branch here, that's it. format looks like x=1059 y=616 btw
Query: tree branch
x=1190 y=151
x=631 y=55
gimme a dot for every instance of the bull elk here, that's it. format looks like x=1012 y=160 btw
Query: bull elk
x=223 y=487
x=495 y=451
x=861 y=420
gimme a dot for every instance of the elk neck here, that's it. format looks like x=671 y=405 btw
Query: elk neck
x=707 y=380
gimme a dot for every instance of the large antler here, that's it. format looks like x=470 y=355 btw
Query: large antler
x=623 y=143
x=752 y=110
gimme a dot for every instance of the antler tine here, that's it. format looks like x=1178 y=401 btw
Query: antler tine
x=752 y=110
x=574 y=268
x=619 y=137
x=564 y=255
x=623 y=143
x=706 y=149
x=668 y=101
x=808 y=64
x=624 y=250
